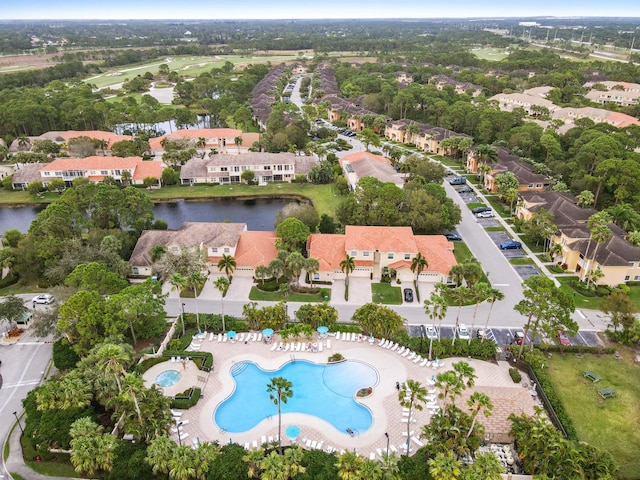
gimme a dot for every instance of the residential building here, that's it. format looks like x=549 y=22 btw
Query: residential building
x=529 y=102
x=96 y=168
x=425 y=137
x=616 y=258
x=224 y=140
x=621 y=93
x=377 y=249
x=365 y=164
x=441 y=81
x=528 y=179
x=61 y=137
x=598 y=115
x=267 y=168
x=248 y=248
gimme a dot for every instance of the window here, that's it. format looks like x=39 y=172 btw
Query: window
x=104 y=172
x=636 y=278
x=279 y=168
x=407 y=256
x=226 y=250
x=224 y=169
x=214 y=249
x=244 y=169
x=286 y=167
x=267 y=167
x=117 y=172
x=538 y=185
x=353 y=253
x=626 y=278
x=236 y=168
x=390 y=256
x=135 y=270
x=365 y=254
x=316 y=276
x=531 y=185
x=632 y=264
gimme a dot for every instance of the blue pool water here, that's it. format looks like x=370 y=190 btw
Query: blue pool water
x=168 y=378
x=324 y=391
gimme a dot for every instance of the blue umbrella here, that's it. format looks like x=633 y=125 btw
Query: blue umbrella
x=292 y=431
x=267 y=332
x=231 y=334
x=323 y=329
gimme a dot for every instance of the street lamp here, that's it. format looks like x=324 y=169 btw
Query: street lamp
x=431 y=340
x=15 y=414
x=179 y=433
x=387 y=435
x=182 y=318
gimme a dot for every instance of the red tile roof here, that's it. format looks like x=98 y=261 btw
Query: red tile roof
x=328 y=249
x=356 y=156
x=92 y=163
x=256 y=248
x=96 y=134
x=385 y=239
x=193 y=134
x=148 y=169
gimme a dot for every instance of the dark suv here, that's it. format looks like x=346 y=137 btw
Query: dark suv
x=480 y=209
x=408 y=295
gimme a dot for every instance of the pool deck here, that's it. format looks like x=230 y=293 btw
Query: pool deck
x=492 y=379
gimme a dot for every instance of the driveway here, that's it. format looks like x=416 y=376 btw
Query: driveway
x=359 y=291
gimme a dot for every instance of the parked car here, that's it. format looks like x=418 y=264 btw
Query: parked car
x=487 y=214
x=481 y=332
x=458 y=180
x=431 y=331
x=480 y=209
x=518 y=338
x=510 y=245
x=563 y=339
x=454 y=237
x=465 y=190
x=408 y=295
x=463 y=332
x=44 y=299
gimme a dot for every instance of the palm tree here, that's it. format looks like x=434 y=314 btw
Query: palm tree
x=196 y=281
x=91 y=449
x=201 y=143
x=238 y=142
x=477 y=402
x=418 y=264
x=479 y=292
x=486 y=466
x=276 y=267
x=295 y=263
x=349 y=465
x=156 y=252
x=262 y=272
x=181 y=464
x=159 y=453
x=293 y=458
x=113 y=360
x=493 y=296
x=253 y=459
x=311 y=266
x=227 y=264
x=436 y=308
x=126 y=177
x=222 y=284
x=178 y=282
x=600 y=233
x=555 y=250
x=273 y=467
x=347 y=266
x=279 y=390
x=459 y=294
x=412 y=395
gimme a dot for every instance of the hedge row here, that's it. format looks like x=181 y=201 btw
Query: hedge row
x=186 y=400
x=204 y=360
x=575 y=349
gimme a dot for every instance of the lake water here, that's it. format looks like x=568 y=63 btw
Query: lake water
x=257 y=214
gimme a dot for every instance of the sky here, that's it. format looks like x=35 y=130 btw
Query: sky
x=301 y=9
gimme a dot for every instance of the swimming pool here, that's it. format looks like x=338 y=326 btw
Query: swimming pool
x=168 y=378
x=324 y=391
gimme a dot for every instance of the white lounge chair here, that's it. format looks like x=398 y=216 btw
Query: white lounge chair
x=417 y=441
x=224 y=338
x=372 y=456
x=280 y=346
x=404 y=434
x=406 y=353
x=176 y=413
x=274 y=346
x=417 y=359
x=401 y=350
x=211 y=337
x=270 y=438
x=308 y=443
x=382 y=340
x=259 y=338
x=173 y=359
x=320 y=346
x=286 y=347
x=319 y=446
x=393 y=448
x=255 y=444
x=379 y=450
x=240 y=337
x=314 y=444
x=395 y=347
x=264 y=440
x=247 y=446
x=303 y=347
x=328 y=343
x=183 y=435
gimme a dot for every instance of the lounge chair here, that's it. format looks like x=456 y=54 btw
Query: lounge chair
x=176 y=413
x=405 y=414
x=320 y=346
x=274 y=346
x=411 y=356
x=393 y=448
x=319 y=446
x=404 y=409
x=264 y=440
x=404 y=434
x=211 y=337
x=280 y=346
x=328 y=343
x=286 y=347
x=219 y=337
x=224 y=337
x=372 y=456
x=395 y=347
x=308 y=443
x=382 y=340
x=173 y=359
x=417 y=441
x=183 y=435
x=406 y=352
x=255 y=444
x=240 y=337
x=247 y=446
x=424 y=362
x=401 y=350
x=417 y=359
x=379 y=450
x=270 y=438
x=314 y=444
x=259 y=338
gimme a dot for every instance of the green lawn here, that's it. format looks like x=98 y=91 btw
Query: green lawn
x=607 y=424
x=386 y=293
x=461 y=252
x=54 y=469
x=580 y=300
x=494 y=54
x=521 y=261
x=323 y=197
x=259 y=295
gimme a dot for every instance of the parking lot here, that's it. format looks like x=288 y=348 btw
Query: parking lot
x=505 y=336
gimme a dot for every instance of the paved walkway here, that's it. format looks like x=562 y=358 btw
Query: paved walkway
x=388 y=416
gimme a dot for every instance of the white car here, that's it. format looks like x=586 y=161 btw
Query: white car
x=487 y=214
x=463 y=332
x=44 y=299
x=431 y=331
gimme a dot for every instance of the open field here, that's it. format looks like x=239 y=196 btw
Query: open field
x=607 y=424
x=495 y=54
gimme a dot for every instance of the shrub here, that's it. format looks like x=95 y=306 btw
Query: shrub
x=336 y=357
x=148 y=363
x=9 y=280
x=186 y=399
x=515 y=375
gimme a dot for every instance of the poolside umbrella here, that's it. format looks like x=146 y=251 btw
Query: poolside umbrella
x=323 y=330
x=292 y=431
x=231 y=334
x=267 y=332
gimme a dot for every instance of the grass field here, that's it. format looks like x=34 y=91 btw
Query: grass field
x=386 y=294
x=607 y=424
x=186 y=65
x=495 y=54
